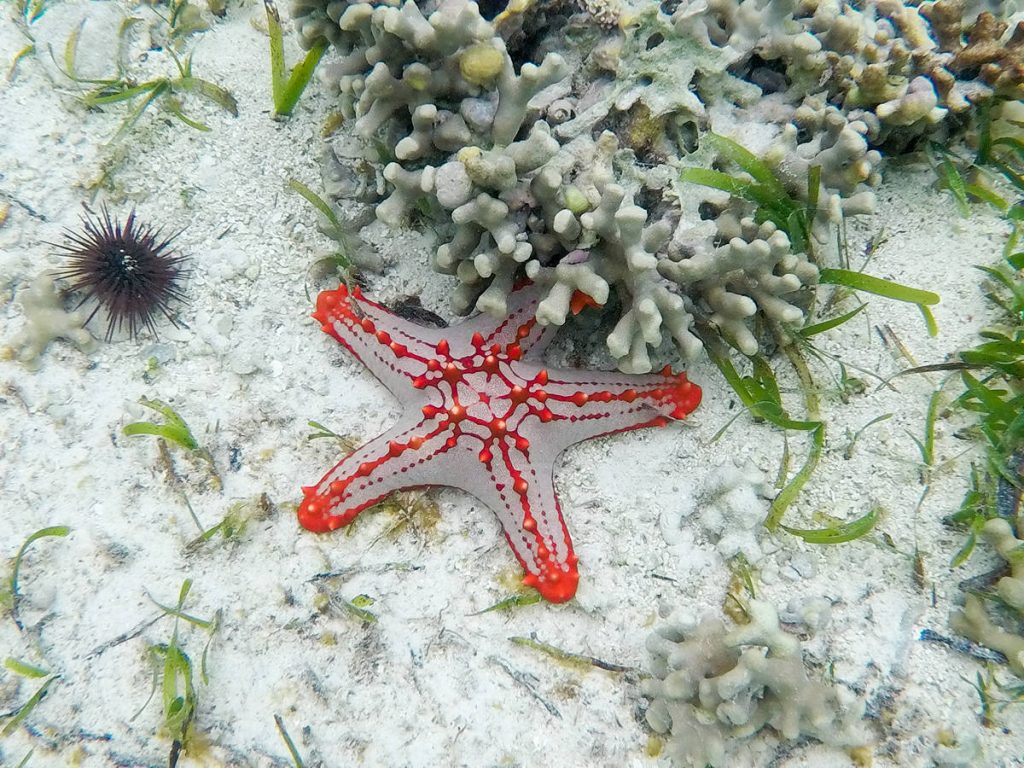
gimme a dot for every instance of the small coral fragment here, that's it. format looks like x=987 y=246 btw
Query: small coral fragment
x=45 y=320
x=974 y=623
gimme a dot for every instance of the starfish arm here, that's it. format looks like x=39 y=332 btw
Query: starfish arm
x=395 y=350
x=406 y=456
x=523 y=497
x=589 y=404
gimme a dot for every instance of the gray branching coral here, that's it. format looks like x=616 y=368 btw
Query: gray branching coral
x=711 y=684
x=565 y=167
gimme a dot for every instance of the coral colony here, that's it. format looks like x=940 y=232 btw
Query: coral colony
x=565 y=166
x=711 y=684
x=482 y=414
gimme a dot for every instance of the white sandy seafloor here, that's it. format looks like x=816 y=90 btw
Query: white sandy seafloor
x=431 y=683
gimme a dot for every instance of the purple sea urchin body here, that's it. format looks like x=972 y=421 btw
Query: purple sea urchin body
x=128 y=269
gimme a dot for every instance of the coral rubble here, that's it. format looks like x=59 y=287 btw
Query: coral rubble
x=548 y=142
x=711 y=684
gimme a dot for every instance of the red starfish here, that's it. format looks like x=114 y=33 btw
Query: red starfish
x=482 y=413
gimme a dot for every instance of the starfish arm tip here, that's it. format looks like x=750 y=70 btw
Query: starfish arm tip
x=315 y=515
x=686 y=396
x=558 y=587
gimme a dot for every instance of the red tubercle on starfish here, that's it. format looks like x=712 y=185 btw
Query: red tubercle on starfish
x=477 y=408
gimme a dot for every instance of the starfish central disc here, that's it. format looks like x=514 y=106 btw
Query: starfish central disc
x=482 y=413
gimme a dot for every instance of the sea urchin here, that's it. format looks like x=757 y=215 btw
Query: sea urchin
x=129 y=271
